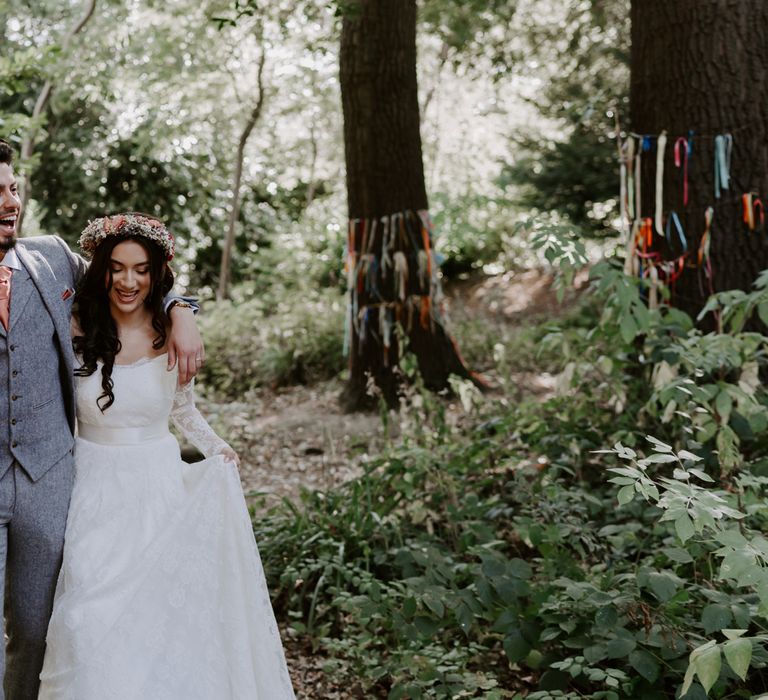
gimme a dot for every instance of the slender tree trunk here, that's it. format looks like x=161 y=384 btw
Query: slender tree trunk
x=700 y=68
x=392 y=274
x=225 y=271
x=28 y=142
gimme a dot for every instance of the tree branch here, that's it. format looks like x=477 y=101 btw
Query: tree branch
x=28 y=142
x=234 y=212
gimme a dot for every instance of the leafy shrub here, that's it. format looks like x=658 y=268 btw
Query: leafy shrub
x=489 y=559
x=260 y=341
x=472 y=231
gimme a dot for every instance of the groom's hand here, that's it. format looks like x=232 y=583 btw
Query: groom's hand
x=185 y=345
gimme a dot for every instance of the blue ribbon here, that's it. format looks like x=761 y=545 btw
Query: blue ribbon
x=673 y=218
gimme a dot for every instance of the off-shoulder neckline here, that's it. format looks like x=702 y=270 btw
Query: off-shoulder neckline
x=142 y=361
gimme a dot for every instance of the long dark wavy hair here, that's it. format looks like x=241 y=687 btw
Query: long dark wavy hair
x=99 y=340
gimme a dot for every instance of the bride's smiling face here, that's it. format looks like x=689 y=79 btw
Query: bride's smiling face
x=129 y=269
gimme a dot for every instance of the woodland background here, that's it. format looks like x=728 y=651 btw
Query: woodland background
x=584 y=517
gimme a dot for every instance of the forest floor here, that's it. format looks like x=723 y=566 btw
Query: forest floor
x=298 y=437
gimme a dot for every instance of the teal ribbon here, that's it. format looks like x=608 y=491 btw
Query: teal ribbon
x=723 y=149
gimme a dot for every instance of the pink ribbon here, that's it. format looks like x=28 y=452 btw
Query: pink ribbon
x=684 y=162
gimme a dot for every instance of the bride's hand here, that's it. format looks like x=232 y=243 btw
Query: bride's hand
x=185 y=345
x=231 y=456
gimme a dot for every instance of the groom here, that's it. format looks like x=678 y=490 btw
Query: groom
x=37 y=420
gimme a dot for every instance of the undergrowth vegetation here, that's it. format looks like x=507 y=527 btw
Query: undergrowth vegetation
x=272 y=340
x=604 y=543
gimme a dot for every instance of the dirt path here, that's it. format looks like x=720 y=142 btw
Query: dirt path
x=296 y=438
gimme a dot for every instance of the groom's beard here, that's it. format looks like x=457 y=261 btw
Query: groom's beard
x=8 y=242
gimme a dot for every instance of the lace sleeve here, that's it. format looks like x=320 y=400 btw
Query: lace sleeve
x=192 y=425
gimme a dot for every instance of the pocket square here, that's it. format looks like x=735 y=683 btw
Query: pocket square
x=68 y=292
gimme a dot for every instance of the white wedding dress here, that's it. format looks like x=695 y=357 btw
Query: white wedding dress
x=161 y=594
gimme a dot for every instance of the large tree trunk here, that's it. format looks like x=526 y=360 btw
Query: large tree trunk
x=701 y=66
x=392 y=275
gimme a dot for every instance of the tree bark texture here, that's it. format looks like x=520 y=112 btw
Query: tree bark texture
x=699 y=70
x=392 y=275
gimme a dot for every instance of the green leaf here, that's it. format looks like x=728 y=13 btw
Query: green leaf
x=519 y=568
x=684 y=454
x=645 y=664
x=607 y=616
x=661 y=458
x=733 y=634
x=626 y=494
x=658 y=445
x=493 y=567
x=595 y=653
x=663 y=585
x=434 y=604
x=690 y=674
x=728 y=448
x=678 y=554
x=465 y=617
x=738 y=654
x=484 y=593
x=714 y=617
x=620 y=647
x=707 y=431
x=426 y=626
x=515 y=646
x=723 y=406
x=701 y=475
x=762 y=311
x=684 y=528
x=628 y=328
x=708 y=664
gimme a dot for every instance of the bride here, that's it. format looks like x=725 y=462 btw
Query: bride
x=161 y=594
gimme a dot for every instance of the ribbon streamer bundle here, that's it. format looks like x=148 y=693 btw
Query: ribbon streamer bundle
x=644 y=233
x=392 y=276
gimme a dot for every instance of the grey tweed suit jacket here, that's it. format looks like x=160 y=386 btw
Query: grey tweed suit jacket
x=38 y=361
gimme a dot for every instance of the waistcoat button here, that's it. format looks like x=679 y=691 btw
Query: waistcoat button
x=13 y=421
x=14 y=397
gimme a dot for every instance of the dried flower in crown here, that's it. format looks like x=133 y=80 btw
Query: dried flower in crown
x=126 y=225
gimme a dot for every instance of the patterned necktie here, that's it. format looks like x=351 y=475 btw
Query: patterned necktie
x=5 y=294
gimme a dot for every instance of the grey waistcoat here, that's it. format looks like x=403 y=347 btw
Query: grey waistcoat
x=37 y=409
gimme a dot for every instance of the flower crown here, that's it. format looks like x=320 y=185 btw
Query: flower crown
x=126 y=225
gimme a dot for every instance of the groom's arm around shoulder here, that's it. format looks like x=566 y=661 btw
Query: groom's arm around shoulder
x=76 y=262
x=58 y=254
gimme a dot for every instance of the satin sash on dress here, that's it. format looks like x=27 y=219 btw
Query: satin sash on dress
x=121 y=436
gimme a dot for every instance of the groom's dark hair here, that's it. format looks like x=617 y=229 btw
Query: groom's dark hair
x=6 y=152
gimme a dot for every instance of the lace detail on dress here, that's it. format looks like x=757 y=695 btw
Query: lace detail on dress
x=192 y=425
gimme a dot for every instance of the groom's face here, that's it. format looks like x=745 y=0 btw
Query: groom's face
x=10 y=208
